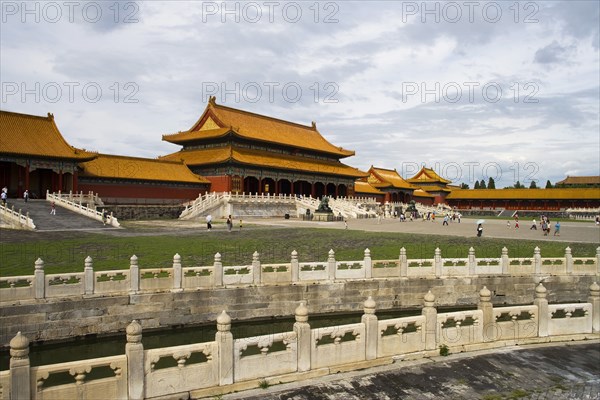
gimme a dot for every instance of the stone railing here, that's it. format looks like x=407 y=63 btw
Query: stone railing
x=228 y=364
x=15 y=218
x=224 y=203
x=588 y=214
x=177 y=278
x=63 y=201
x=91 y=199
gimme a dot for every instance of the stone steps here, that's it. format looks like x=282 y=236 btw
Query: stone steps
x=39 y=211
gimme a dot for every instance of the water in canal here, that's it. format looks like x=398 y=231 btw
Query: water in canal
x=95 y=347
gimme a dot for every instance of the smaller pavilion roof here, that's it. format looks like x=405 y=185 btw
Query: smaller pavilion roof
x=427 y=175
x=35 y=136
x=387 y=178
x=135 y=168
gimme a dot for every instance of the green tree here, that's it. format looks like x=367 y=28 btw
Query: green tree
x=482 y=184
x=476 y=185
x=548 y=184
x=532 y=185
x=491 y=183
x=464 y=186
x=518 y=185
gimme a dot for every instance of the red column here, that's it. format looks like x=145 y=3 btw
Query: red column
x=75 y=184
x=292 y=184
x=336 y=191
x=27 y=176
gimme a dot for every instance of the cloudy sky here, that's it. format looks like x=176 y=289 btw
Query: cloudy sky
x=474 y=89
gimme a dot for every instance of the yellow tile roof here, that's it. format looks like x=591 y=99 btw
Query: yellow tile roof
x=34 y=136
x=422 y=193
x=435 y=188
x=526 y=194
x=427 y=175
x=580 y=180
x=256 y=127
x=261 y=158
x=381 y=178
x=365 y=187
x=123 y=167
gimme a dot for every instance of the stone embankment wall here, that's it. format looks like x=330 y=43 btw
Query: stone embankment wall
x=60 y=318
x=143 y=212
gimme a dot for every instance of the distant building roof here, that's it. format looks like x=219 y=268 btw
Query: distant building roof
x=387 y=178
x=134 y=168
x=218 y=120
x=580 y=180
x=525 y=194
x=31 y=135
x=427 y=175
x=422 y=193
x=365 y=187
x=212 y=155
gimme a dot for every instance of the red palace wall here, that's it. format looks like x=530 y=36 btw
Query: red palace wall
x=139 y=192
x=219 y=183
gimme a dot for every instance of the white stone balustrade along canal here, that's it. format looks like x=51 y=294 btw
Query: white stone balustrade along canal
x=228 y=364
x=179 y=278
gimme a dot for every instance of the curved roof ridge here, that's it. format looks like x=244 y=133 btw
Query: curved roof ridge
x=312 y=127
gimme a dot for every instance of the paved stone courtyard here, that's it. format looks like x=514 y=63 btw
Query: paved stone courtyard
x=548 y=372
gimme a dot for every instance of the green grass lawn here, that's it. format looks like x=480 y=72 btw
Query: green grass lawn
x=236 y=248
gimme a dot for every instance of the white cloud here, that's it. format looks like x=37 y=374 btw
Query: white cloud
x=370 y=51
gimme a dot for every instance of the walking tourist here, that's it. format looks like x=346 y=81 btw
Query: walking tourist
x=209 y=222
x=26 y=195
x=533 y=225
x=229 y=223
x=545 y=227
x=52 y=209
x=557 y=228
x=479 y=230
x=3 y=196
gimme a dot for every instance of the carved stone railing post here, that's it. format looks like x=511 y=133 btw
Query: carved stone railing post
x=39 y=279
x=134 y=351
x=20 y=375
x=430 y=328
x=218 y=270
x=437 y=262
x=485 y=305
x=177 y=273
x=88 y=276
x=537 y=260
x=542 y=304
x=134 y=275
x=369 y=319
x=295 y=265
x=303 y=336
x=331 y=265
x=595 y=300
x=472 y=262
x=568 y=261
x=505 y=261
x=368 y=264
x=256 y=269
x=224 y=340
x=403 y=263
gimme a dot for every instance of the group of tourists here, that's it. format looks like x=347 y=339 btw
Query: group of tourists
x=228 y=222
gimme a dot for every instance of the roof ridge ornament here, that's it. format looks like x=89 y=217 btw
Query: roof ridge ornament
x=212 y=100
x=314 y=125
x=51 y=116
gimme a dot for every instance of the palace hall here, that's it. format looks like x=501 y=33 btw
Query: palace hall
x=243 y=152
x=232 y=150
